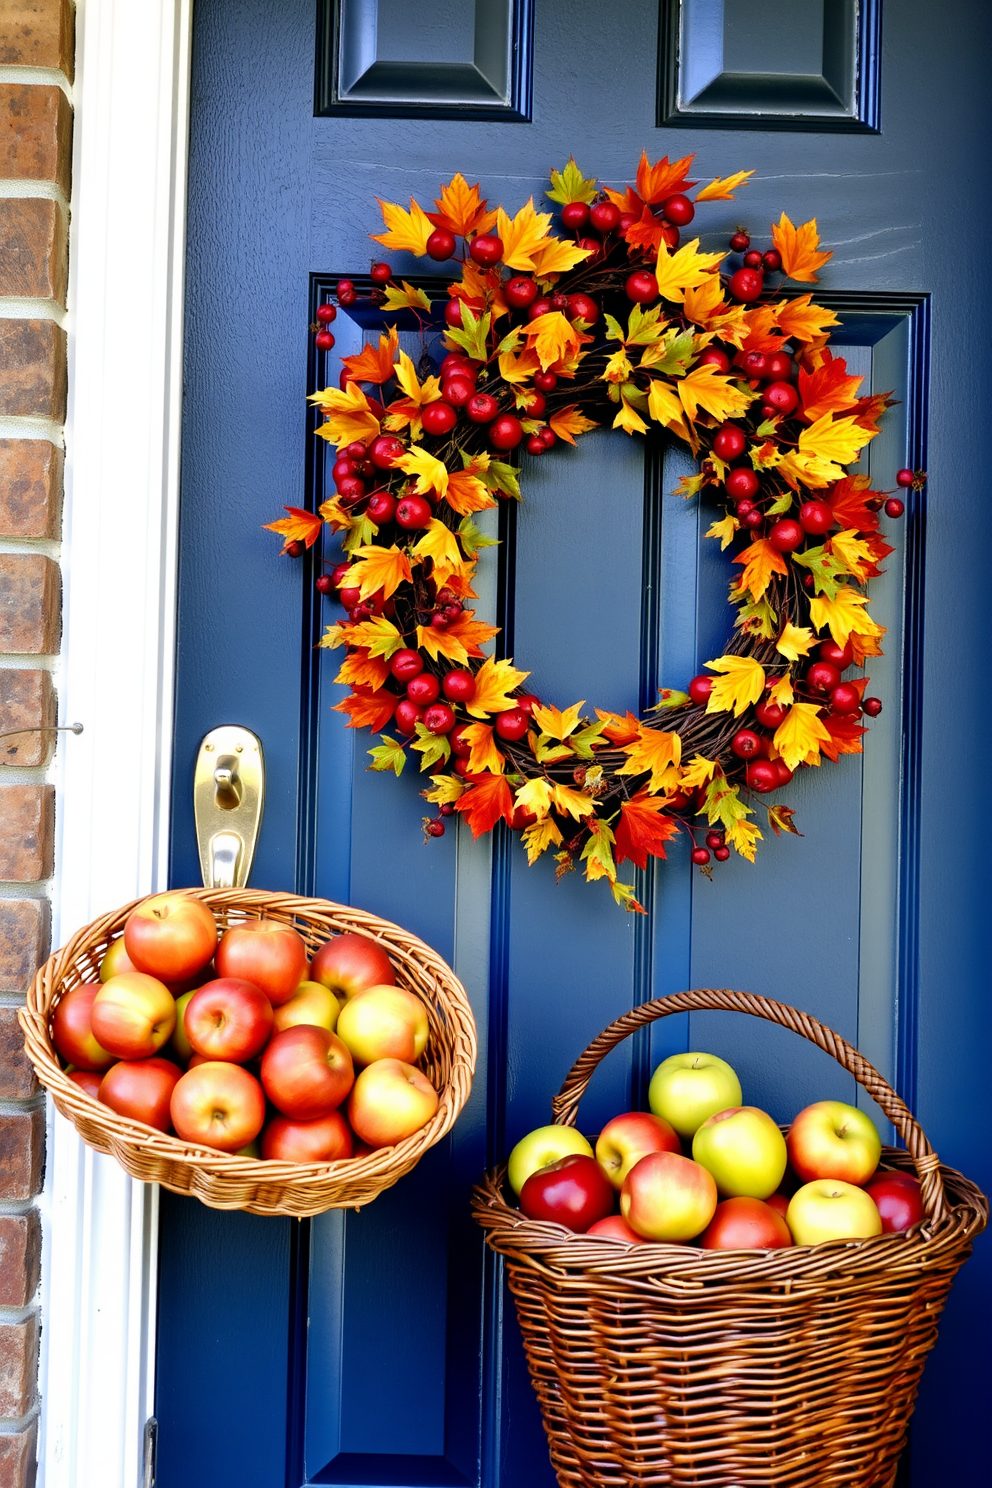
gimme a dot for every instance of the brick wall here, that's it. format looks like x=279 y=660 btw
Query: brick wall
x=36 y=38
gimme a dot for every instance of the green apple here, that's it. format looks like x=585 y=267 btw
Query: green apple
x=829 y=1209
x=687 y=1088
x=539 y=1148
x=744 y=1150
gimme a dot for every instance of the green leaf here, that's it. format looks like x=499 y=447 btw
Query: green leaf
x=757 y=616
x=570 y=185
x=614 y=330
x=668 y=697
x=783 y=504
x=828 y=574
x=472 y=336
x=643 y=328
x=361 y=533
x=768 y=427
x=548 y=750
x=510 y=342
x=434 y=748
x=472 y=540
x=389 y=755
x=582 y=742
x=501 y=477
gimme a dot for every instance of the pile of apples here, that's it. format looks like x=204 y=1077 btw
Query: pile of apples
x=745 y=1185
x=237 y=1042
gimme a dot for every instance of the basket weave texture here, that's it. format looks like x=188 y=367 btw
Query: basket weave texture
x=225 y=1182
x=669 y=1365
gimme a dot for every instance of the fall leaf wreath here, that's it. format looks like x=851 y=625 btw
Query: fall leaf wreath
x=616 y=321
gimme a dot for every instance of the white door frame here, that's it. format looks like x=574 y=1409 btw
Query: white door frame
x=127 y=249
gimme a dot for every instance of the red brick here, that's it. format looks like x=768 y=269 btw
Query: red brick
x=22 y=1160
x=25 y=940
x=33 y=248
x=36 y=33
x=35 y=133
x=33 y=376
x=18 y=1457
x=18 y=1366
x=17 y=1079
x=20 y=1260
x=30 y=622
x=27 y=702
x=27 y=833
x=30 y=488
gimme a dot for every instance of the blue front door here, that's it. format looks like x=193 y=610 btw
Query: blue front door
x=380 y=1348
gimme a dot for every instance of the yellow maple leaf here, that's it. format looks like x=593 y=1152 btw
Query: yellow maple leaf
x=795 y=641
x=705 y=306
x=406 y=376
x=739 y=685
x=684 y=269
x=347 y=415
x=781 y=692
x=379 y=568
x=618 y=367
x=445 y=788
x=522 y=235
x=556 y=724
x=440 y=544
x=722 y=189
x=765 y=456
x=724 y=530
x=853 y=552
x=555 y=256
x=553 y=337
x=798 y=246
x=405 y=297
x=541 y=835
x=431 y=473
x=744 y=836
x=654 y=751
x=760 y=560
x=697 y=772
x=576 y=803
x=493 y=682
x=378 y=635
x=800 y=320
x=462 y=208
x=837 y=439
x=536 y=797
x=568 y=422
x=844 y=615
x=800 y=734
x=629 y=419
x=300 y=526
x=407 y=232
x=663 y=404
x=514 y=369
x=485 y=757
x=706 y=387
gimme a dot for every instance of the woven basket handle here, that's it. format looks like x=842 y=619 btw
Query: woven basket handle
x=566 y=1102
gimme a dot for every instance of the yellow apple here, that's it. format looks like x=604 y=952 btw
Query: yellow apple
x=310 y=1003
x=687 y=1088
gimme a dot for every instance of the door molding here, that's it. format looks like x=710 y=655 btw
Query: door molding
x=124 y=323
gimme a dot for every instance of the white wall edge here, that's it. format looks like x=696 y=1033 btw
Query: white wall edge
x=124 y=324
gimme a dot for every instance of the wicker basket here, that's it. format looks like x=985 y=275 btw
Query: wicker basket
x=226 y=1182
x=798 y=1368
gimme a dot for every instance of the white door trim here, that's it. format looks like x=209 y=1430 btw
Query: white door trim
x=127 y=249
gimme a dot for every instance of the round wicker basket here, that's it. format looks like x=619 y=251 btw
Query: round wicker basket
x=226 y=1182
x=663 y=1364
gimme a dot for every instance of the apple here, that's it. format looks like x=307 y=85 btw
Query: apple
x=328 y=1139
x=627 y=1138
x=744 y=1150
x=574 y=1192
x=779 y=1202
x=306 y=1071
x=539 y=1148
x=115 y=960
x=349 y=963
x=218 y=1105
x=829 y=1209
x=310 y=1003
x=88 y=1080
x=179 y=1042
x=266 y=952
x=687 y=1088
x=133 y=1015
x=667 y=1197
x=170 y=936
x=746 y=1224
x=72 y=1034
x=896 y=1196
x=141 y=1089
x=229 y=1020
x=391 y=1100
x=615 y=1227
x=384 y=1023
x=832 y=1140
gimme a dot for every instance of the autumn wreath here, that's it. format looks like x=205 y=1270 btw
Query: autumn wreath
x=544 y=338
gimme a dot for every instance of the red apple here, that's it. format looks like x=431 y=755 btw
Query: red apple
x=896 y=1196
x=228 y=1020
x=832 y=1140
x=667 y=1197
x=574 y=1192
x=328 y=1139
x=133 y=1015
x=72 y=1034
x=615 y=1227
x=384 y=1023
x=540 y=1148
x=391 y=1100
x=307 y=1071
x=779 y=1202
x=746 y=1224
x=218 y=1105
x=115 y=960
x=141 y=1089
x=310 y=1003
x=627 y=1138
x=88 y=1080
x=266 y=952
x=170 y=936
x=350 y=963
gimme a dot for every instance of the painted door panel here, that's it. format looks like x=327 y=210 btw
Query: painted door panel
x=380 y=1347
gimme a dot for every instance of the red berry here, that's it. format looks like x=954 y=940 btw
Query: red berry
x=533 y=405
x=729 y=442
x=527 y=702
x=326 y=313
x=438 y=418
x=324 y=584
x=545 y=382
x=459 y=744
x=782 y=771
x=453 y=313
x=349 y=596
x=458 y=389
x=642 y=287
x=452 y=611
x=845 y=698
x=575 y=215
x=385 y=450
x=548 y=438
x=904 y=477
x=721 y=854
x=740 y=241
x=380 y=273
x=872 y=706
x=753 y=259
x=381 y=507
x=446 y=808
x=458 y=685
x=604 y=217
x=745 y=744
x=534 y=444
x=406 y=664
x=482 y=408
x=753 y=364
x=440 y=244
x=783 y=397
x=769 y=714
x=700 y=688
x=592 y=246
x=822 y=677
x=346 y=285
x=456 y=361
x=512 y=724
x=839 y=656
x=746 y=285
x=339 y=574
x=679 y=210
x=407 y=716
x=435 y=827
x=894 y=507
x=520 y=291
x=786 y=535
x=700 y=856
x=487 y=249
x=772 y=260
x=582 y=307
x=346 y=297
x=559 y=302
x=669 y=235
x=780 y=366
x=351 y=488
x=816 y=517
x=741 y=483
x=714 y=357
x=440 y=621
x=342 y=468
x=540 y=307
x=762 y=775
x=461 y=764
x=753 y=520
x=413 y=512
x=323 y=340
x=714 y=839
x=439 y=719
x=506 y=432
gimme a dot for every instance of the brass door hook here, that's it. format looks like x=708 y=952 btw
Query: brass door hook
x=228 y=797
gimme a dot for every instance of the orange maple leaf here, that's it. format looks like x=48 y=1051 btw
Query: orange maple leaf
x=568 y=422
x=798 y=247
x=830 y=388
x=463 y=638
x=481 y=289
x=801 y=320
x=368 y=708
x=361 y=669
x=643 y=829
x=300 y=526
x=867 y=411
x=485 y=758
x=879 y=550
x=380 y=568
x=848 y=501
x=762 y=331
x=406 y=231
x=619 y=730
x=845 y=737
x=461 y=209
x=487 y=800
x=646 y=231
x=466 y=493
x=654 y=751
x=760 y=561
x=663 y=179
x=374 y=363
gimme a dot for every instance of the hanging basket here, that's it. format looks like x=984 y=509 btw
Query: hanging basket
x=669 y=1365
x=226 y=1182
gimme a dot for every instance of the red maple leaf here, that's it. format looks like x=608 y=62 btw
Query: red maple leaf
x=368 y=708
x=488 y=799
x=643 y=828
x=845 y=736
